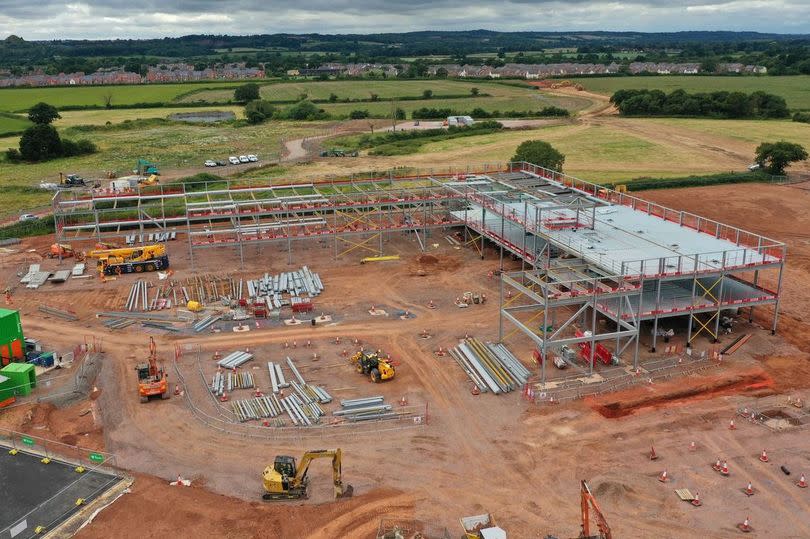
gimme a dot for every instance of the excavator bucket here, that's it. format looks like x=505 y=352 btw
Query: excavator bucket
x=348 y=492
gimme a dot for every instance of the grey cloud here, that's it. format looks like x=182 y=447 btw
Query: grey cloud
x=81 y=19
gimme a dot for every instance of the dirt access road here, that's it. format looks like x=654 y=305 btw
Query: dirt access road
x=479 y=453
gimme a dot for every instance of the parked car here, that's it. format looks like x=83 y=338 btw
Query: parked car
x=220 y=163
x=28 y=217
x=755 y=166
x=233 y=160
x=252 y=158
x=244 y=159
x=210 y=163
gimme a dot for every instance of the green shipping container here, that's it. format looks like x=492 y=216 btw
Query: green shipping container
x=6 y=391
x=10 y=326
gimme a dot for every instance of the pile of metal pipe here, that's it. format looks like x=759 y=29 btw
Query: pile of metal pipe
x=491 y=367
x=272 y=288
x=235 y=359
x=277 y=381
x=307 y=390
x=137 y=298
x=257 y=408
x=218 y=384
x=302 y=413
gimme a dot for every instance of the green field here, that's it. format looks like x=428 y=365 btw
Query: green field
x=172 y=145
x=795 y=89
x=12 y=123
x=362 y=89
x=20 y=99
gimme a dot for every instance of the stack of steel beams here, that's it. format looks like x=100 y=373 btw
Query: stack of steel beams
x=365 y=409
x=490 y=366
x=257 y=408
x=235 y=359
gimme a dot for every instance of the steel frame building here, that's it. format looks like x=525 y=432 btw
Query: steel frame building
x=585 y=249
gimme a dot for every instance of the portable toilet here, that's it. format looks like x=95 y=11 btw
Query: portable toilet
x=12 y=342
x=22 y=375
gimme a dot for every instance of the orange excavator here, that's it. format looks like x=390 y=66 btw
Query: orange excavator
x=589 y=504
x=152 y=380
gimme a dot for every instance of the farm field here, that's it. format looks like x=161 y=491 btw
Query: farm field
x=607 y=149
x=795 y=89
x=178 y=149
x=18 y=99
x=362 y=89
x=13 y=123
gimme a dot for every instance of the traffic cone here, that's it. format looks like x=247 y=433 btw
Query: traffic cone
x=731 y=425
x=745 y=526
x=664 y=478
x=286 y=344
x=802 y=482
x=176 y=389
x=749 y=490
x=431 y=305
x=692 y=446
x=764 y=456
x=337 y=340
x=403 y=401
x=724 y=469
x=224 y=397
x=551 y=400
x=266 y=423
x=309 y=343
x=373 y=309
x=696 y=501
x=257 y=324
x=179 y=481
x=217 y=355
x=653 y=455
x=475 y=390
x=295 y=344
x=716 y=466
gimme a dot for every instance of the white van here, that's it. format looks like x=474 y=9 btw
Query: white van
x=460 y=120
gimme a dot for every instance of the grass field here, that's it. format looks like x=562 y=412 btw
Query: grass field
x=172 y=145
x=795 y=89
x=12 y=123
x=19 y=99
x=362 y=89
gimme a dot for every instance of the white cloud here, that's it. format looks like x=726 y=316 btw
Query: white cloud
x=88 y=19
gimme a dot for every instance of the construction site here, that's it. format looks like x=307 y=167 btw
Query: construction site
x=447 y=338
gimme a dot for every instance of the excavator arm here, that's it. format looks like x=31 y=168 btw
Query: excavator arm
x=337 y=472
x=588 y=503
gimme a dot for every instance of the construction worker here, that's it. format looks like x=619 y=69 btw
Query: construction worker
x=8 y=296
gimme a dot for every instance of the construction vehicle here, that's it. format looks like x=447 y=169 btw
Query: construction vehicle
x=152 y=179
x=337 y=152
x=145 y=168
x=588 y=504
x=481 y=527
x=372 y=365
x=286 y=481
x=152 y=380
x=71 y=180
x=131 y=259
x=64 y=250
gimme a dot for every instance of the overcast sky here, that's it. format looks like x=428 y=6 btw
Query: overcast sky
x=52 y=19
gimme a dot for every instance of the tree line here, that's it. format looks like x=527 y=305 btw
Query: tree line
x=712 y=105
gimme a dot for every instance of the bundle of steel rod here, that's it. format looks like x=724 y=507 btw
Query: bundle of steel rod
x=308 y=392
x=302 y=413
x=257 y=408
x=205 y=322
x=235 y=359
x=490 y=366
x=240 y=380
x=365 y=409
x=272 y=288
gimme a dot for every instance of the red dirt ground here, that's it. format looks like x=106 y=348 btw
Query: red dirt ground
x=479 y=453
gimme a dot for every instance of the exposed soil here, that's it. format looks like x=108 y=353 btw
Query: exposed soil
x=481 y=453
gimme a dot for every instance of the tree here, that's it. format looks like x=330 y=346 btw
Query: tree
x=540 y=153
x=43 y=114
x=441 y=73
x=775 y=156
x=474 y=91
x=374 y=97
x=427 y=94
x=358 y=114
x=333 y=97
x=107 y=97
x=40 y=143
x=399 y=114
x=258 y=111
x=246 y=92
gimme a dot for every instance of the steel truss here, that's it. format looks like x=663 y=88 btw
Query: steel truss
x=549 y=306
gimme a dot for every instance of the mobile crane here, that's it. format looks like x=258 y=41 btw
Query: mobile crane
x=152 y=380
x=130 y=259
x=286 y=481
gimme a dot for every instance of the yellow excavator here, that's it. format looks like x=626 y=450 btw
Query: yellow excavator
x=286 y=481
x=374 y=366
x=130 y=259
